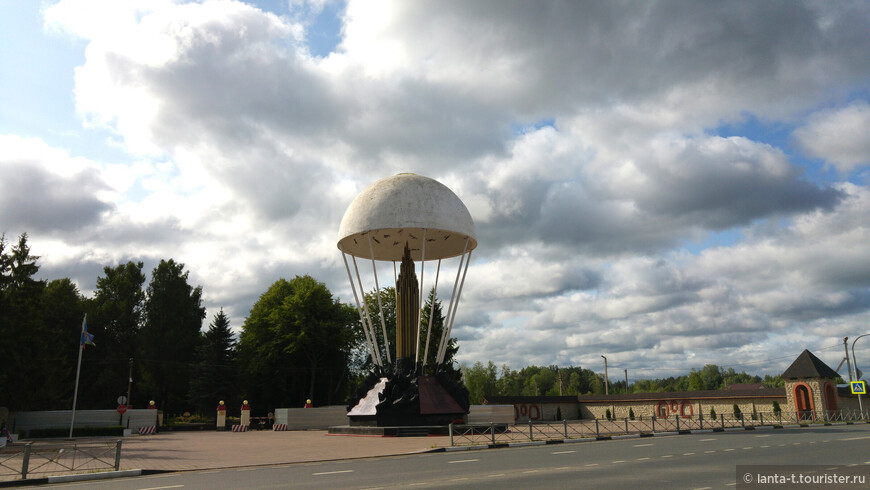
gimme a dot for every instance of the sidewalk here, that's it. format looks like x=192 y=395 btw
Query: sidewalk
x=211 y=449
x=200 y=450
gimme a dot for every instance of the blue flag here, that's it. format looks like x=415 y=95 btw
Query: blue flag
x=87 y=338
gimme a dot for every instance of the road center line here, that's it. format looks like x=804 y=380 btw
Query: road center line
x=854 y=438
x=495 y=475
x=564 y=452
x=705 y=440
x=592 y=464
x=332 y=472
x=668 y=456
x=462 y=461
x=729 y=449
x=642 y=445
x=642 y=459
x=765 y=435
x=161 y=488
x=688 y=454
x=617 y=462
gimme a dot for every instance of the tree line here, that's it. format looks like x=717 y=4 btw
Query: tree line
x=298 y=342
x=489 y=380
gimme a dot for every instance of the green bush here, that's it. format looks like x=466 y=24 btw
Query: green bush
x=558 y=413
x=607 y=414
x=712 y=413
x=631 y=413
x=776 y=409
x=737 y=414
x=113 y=431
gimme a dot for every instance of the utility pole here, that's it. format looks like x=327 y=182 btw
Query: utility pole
x=626 y=381
x=606 y=389
x=857 y=371
x=130 y=384
x=848 y=364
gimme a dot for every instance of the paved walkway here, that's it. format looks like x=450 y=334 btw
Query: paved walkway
x=175 y=451
x=211 y=449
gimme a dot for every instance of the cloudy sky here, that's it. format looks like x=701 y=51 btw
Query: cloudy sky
x=669 y=184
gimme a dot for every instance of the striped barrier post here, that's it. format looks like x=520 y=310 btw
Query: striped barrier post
x=240 y=428
x=279 y=427
x=146 y=430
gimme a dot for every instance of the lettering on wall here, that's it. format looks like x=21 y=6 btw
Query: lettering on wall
x=531 y=410
x=683 y=408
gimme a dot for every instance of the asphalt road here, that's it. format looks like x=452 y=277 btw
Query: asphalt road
x=694 y=461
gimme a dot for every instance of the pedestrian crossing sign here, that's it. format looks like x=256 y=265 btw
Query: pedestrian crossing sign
x=859 y=388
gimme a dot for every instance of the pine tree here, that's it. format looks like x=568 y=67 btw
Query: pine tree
x=214 y=375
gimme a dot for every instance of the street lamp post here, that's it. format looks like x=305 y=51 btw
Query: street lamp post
x=855 y=363
x=606 y=390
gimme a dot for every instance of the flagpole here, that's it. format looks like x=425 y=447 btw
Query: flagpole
x=78 y=371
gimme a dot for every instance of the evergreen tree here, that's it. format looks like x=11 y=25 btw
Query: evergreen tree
x=214 y=376
x=54 y=370
x=21 y=325
x=170 y=335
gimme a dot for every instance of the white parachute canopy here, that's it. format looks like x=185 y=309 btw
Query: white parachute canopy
x=414 y=210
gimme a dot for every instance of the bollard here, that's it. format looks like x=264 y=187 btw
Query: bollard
x=492 y=431
x=26 y=462
x=701 y=419
x=530 y=431
x=722 y=415
x=654 y=424
x=565 y=426
x=118 y=455
x=246 y=414
x=596 y=428
x=626 y=425
x=221 y=416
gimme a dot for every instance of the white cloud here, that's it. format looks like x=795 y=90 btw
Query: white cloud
x=582 y=136
x=839 y=137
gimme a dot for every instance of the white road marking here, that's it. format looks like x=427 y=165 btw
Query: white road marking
x=704 y=488
x=591 y=464
x=564 y=452
x=160 y=488
x=765 y=435
x=688 y=454
x=495 y=475
x=332 y=472
x=642 y=459
x=617 y=462
x=531 y=471
x=642 y=445
x=729 y=449
x=668 y=456
x=709 y=452
x=854 y=438
x=748 y=447
x=765 y=446
x=705 y=440
x=463 y=461
x=247 y=469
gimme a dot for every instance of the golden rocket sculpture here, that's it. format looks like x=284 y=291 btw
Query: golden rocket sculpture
x=407 y=310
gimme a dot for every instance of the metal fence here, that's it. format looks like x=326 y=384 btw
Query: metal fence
x=500 y=433
x=59 y=458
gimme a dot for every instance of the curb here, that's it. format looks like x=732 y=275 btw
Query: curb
x=48 y=480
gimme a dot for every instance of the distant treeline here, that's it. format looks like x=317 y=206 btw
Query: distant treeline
x=489 y=380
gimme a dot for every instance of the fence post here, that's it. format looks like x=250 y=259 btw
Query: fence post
x=492 y=432
x=779 y=414
x=450 y=428
x=722 y=418
x=26 y=462
x=565 y=425
x=654 y=424
x=530 y=431
x=761 y=414
x=742 y=421
x=118 y=455
x=596 y=428
x=677 y=416
x=701 y=419
x=626 y=425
